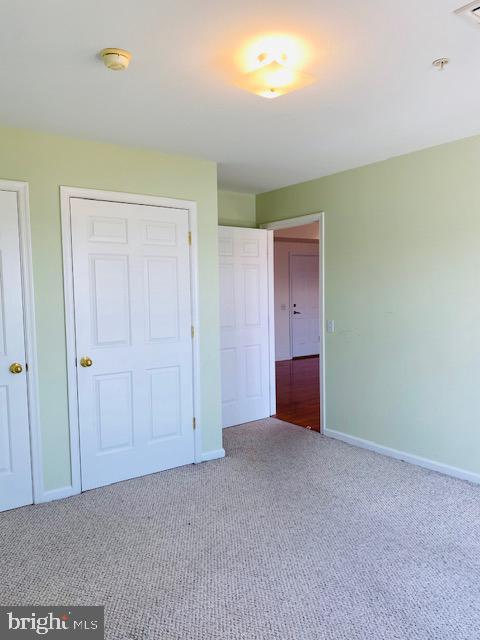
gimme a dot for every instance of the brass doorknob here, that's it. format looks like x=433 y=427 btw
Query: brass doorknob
x=16 y=367
x=86 y=362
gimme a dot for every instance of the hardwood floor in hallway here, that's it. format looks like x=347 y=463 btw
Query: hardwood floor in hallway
x=298 y=392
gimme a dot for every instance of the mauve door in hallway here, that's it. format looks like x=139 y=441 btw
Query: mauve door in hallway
x=304 y=305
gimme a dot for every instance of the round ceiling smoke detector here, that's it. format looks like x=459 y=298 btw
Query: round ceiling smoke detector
x=116 y=59
x=441 y=63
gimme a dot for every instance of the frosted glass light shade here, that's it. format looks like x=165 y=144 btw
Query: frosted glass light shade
x=274 y=79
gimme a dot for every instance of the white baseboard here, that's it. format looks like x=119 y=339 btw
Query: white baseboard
x=56 y=494
x=67 y=492
x=212 y=455
x=455 y=472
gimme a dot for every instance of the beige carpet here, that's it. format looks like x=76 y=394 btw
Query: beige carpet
x=292 y=536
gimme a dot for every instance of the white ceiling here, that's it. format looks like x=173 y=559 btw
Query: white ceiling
x=376 y=94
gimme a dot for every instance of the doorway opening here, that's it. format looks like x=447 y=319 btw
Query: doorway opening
x=298 y=309
x=272 y=322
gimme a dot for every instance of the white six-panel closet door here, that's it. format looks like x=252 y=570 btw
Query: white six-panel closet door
x=133 y=318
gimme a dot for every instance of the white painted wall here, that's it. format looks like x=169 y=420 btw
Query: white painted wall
x=282 y=251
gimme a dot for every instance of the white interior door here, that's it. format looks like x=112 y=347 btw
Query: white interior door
x=15 y=465
x=133 y=318
x=244 y=324
x=304 y=305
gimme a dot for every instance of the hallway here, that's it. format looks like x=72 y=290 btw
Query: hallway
x=298 y=392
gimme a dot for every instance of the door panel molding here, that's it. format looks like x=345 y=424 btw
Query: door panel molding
x=22 y=193
x=157 y=235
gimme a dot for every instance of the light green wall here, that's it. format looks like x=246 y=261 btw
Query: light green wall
x=46 y=162
x=236 y=209
x=403 y=286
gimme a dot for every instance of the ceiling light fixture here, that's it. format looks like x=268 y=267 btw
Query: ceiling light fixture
x=275 y=78
x=273 y=67
x=115 y=59
x=471 y=11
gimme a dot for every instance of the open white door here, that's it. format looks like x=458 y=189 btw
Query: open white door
x=15 y=464
x=133 y=319
x=304 y=302
x=244 y=322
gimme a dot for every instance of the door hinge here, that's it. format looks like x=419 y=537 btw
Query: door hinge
x=189 y=237
x=193 y=331
x=194 y=423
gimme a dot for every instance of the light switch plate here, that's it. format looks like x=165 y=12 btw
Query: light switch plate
x=330 y=326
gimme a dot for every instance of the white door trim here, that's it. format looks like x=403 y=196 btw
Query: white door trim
x=271 y=323
x=21 y=189
x=293 y=222
x=129 y=198
x=297 y=222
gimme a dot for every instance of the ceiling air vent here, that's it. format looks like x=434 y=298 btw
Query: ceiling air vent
x=470 y=11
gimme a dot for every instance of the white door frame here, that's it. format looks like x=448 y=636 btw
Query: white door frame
x=21 y=189
x=271 y=323
x=297 y=222
x=127 y=198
